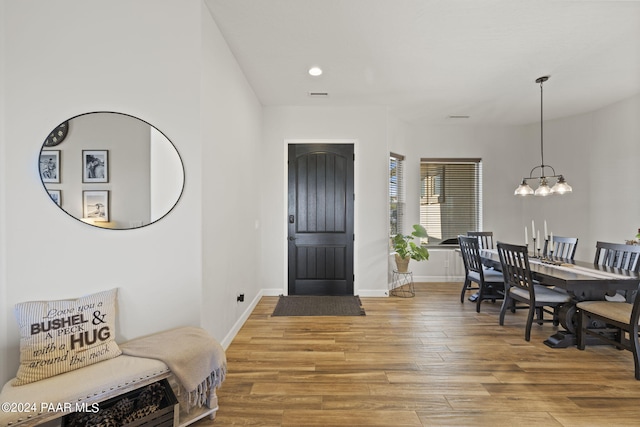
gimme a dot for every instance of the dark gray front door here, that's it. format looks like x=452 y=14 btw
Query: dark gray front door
x=320 y=218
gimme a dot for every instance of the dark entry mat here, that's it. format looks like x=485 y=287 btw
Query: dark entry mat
x=321 y=305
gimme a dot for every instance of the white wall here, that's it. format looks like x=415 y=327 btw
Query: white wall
x=367 y=127
x=166 y=176
x=69 y=57
x=170 y=66
x=6 y=371
x=614 y=173
x=231 y=191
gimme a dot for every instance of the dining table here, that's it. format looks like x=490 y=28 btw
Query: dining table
x=584 y=281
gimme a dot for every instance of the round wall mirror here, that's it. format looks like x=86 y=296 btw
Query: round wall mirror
x=111 y=170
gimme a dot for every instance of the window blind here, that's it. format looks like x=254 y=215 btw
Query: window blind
x=450 y=198
x=396 y=194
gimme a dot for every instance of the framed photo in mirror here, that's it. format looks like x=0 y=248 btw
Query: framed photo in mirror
x=50 y=166
x=56 y=196
x=95 y=166
x=95 y=205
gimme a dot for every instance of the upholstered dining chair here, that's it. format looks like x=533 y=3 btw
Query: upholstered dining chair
x=520 y=287
x=563 y=247
x=485 y=238
x=615 y=323
x=490 y=283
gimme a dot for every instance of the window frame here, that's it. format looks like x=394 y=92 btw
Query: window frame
x=442 y=194
x=399 y=189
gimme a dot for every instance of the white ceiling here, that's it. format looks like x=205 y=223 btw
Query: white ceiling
x=427 y=59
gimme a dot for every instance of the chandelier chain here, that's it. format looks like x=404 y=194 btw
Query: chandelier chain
x=541 y=129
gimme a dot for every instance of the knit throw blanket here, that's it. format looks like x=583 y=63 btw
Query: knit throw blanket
x=196 y=359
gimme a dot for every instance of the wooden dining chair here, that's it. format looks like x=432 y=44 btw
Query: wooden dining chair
x=615 y=323
x=490 y=283
x=485 y=238
x=618 y=255
x=520 y=288
x=563 y=247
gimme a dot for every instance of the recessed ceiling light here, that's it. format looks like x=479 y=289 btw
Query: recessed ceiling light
x=315 y=71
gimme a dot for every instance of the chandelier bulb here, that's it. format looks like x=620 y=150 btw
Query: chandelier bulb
x=543 y=189
x=561 y=187
x=523 y=189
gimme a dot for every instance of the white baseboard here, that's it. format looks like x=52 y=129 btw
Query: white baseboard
x=438 y=278
x=243 y=318
x=372 y=293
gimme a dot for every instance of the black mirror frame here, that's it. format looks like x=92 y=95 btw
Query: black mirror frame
x=61 y=130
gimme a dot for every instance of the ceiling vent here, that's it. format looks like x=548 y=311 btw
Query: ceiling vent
x=318 y=94
x=459 y=117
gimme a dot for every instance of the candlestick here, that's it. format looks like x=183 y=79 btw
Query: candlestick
x=533 y=229
x=538 y=239
x=534 y=246
x=551 y=241
x=526 y=236
x=545 y=229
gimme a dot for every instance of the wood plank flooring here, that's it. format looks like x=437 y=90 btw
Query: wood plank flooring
x=422 y=361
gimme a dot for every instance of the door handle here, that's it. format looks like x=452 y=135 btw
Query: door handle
x=291 y=219
x=292 y=238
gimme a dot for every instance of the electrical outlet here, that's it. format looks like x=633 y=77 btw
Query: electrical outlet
x=240 y=298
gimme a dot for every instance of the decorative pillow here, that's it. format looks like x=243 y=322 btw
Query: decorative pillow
x=60 y=336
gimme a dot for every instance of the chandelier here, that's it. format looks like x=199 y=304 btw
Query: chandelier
x=560 y=186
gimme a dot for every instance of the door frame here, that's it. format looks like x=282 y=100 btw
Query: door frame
x=285 y=207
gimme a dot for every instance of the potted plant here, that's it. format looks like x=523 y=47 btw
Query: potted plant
x=407 y=250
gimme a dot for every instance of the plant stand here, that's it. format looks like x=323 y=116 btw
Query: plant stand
x=402 y=284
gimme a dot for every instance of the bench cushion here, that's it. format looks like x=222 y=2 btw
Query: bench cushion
x=92 y=383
